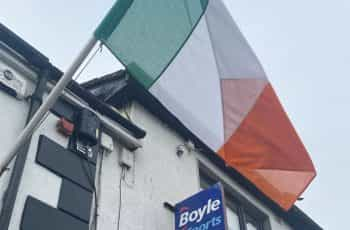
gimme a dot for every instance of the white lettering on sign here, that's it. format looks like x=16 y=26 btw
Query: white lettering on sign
x=198 y=215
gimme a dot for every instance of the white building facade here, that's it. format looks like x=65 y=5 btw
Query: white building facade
x=124 y=164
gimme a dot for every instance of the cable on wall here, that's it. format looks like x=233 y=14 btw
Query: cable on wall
x=122 y=177
x=89 y=175
x=94 y=222
x=99 y=49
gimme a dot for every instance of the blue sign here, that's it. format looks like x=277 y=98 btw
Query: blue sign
x=203 y=211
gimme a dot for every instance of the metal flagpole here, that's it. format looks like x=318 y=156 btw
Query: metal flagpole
x=46 y=106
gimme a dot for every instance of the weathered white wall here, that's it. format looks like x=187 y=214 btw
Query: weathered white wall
x=38 y=181
x=13 y=114
x=158 y=175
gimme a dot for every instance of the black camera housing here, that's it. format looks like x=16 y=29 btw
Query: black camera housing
x=87 y=126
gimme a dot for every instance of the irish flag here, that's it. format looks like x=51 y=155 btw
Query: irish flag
x=192 y=57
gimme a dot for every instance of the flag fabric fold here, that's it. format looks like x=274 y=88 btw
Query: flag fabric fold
x=193 y=58
x=146 y=35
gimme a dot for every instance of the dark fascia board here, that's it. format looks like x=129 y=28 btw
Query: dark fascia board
x=40 y=62
x=33 y=56
x=133 y=91
x=105 y=109
x=299 y=220
x=104 y=79
x=294 y=217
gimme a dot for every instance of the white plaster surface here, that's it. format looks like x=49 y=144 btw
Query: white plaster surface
x=158 y=176
x=38 y=181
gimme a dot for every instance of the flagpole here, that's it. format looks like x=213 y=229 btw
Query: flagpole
x=46 y=106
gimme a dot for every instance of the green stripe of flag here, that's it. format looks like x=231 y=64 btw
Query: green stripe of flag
x=145 y=35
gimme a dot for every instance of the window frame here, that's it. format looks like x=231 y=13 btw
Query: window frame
x=244 y=207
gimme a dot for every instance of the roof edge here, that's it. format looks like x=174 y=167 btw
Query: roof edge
x=134 y=91
x=40 y=62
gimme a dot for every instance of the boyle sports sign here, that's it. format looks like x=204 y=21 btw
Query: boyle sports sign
x=203 y=211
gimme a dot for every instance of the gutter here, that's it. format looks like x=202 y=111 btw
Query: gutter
x=106 y=109
x=130 y=141
x=133 y=91
x=36 y=60
x=30 y=62
x=33 y=56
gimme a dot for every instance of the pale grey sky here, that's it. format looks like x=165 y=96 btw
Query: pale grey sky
x=303 y=46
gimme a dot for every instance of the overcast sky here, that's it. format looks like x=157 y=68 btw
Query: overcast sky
x=304 y=47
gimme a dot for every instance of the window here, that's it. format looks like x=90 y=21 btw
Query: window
x=241 y=213
x=232 y=218
x=252 y=224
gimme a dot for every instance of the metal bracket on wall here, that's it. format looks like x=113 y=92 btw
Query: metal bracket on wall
x=12 y=84
x=169 y=206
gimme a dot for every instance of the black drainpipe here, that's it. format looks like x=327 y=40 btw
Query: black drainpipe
x=17 y=172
